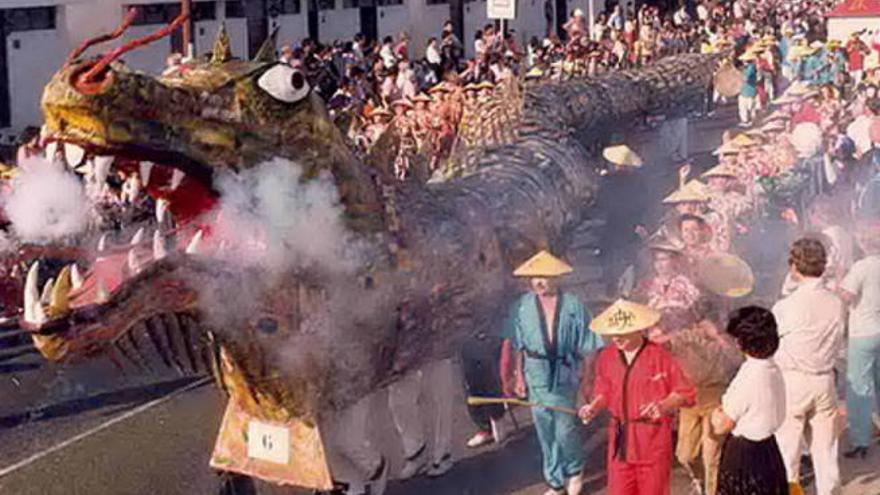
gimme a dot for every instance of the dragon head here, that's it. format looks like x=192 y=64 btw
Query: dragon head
x=162 y=144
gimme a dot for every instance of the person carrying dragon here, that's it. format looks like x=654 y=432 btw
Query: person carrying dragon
x=547 y=333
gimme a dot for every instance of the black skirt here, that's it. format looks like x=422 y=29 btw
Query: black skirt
x=751 y=468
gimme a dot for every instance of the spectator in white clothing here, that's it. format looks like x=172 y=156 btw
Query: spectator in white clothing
x=861 y=290
x=811 y=334
x=752 y=409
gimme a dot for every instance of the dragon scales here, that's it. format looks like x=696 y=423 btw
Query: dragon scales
x=438 y=256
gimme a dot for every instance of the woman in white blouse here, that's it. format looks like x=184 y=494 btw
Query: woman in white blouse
x=752 y=409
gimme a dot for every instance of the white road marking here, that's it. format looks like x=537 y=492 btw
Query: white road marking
x=101 y=427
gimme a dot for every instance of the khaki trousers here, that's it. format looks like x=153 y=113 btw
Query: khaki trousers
x=695 y=437
x=811 y=412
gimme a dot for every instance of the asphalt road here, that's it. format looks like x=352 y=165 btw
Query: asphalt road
x=89 y=430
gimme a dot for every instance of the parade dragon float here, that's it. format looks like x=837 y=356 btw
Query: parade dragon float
x=432 y=264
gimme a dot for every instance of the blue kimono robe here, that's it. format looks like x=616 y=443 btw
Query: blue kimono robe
x=552 y=373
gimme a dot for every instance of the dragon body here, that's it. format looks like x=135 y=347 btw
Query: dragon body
x=434 y=260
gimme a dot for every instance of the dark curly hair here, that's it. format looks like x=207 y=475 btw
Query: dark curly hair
x=754 y=329
x=808 y=256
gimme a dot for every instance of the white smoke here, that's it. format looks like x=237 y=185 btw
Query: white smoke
x=47 y=203
x=272 y=218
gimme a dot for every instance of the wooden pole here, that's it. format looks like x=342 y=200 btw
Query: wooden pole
x=483 y=401
x=188 y=45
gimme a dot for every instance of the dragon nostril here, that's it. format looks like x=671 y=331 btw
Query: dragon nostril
x=86 y=82
x=297 y=80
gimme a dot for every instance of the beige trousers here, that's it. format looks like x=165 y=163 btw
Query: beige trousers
x=695 y=437
x=811 y=413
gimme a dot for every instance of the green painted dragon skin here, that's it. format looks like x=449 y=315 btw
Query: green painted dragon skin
x=440 y=255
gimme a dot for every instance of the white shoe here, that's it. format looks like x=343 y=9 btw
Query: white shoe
x=480 y=439
x=499 y=430
x=553 y=491
x=575 y=485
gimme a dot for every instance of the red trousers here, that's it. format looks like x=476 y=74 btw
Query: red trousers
x=626 y=478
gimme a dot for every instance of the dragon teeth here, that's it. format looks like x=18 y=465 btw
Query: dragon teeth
x=159 y=250
x=73 y=154
x=101 y=293
x=193 y=247
x=133 y=265
x=161 y=210
x=59 y=302
x=33 y=310
x=146 y=168
x=76 y=279
x=46 y=295
x=176 y=178
x=51 y=150
x=102 y=169
x=102 y=243
x=138 y=237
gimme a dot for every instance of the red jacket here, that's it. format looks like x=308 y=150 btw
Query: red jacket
x=652 y=376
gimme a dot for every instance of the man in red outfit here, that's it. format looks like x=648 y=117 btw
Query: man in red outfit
x=641 y=386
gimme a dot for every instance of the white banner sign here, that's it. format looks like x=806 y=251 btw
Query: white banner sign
x=268 y=442
x=501 y=9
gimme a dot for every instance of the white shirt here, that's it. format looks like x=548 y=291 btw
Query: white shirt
x=810 y=322
x=755 y=399
x=432 y=55
x=702 y=12
x=863 y=281
x=387 y=55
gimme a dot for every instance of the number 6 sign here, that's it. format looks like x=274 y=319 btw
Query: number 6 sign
x=268 y=442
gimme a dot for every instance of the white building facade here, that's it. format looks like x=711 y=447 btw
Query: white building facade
x=37 y=35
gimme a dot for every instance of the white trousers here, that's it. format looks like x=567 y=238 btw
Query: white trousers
x=746 y=108
x=811 y=410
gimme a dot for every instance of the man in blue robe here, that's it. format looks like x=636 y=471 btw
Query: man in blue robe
x=548 y=332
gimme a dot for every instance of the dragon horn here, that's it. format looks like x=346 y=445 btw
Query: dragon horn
x=266 y=54
x=123 y=26
x=105 y=61
x=222 y=47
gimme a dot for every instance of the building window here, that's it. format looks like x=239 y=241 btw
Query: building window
x=284 y=7
x=326 y=4
x=436 y=2
x=28 y=19
x=388 y=3
x=234 y=9
x=165 y=13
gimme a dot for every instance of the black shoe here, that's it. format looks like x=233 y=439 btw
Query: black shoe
x=860 y=452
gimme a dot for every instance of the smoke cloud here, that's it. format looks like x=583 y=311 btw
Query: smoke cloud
x=275 y=228
x=47 y=203
x=270 y=217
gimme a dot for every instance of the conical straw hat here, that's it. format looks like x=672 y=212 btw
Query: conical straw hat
x=720 y=171
x=692 y=191
x=622 y=155
x=624 y=317
x=726 y=275
x=543 y=264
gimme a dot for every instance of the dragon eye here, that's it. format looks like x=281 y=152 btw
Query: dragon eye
x=284 y=83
